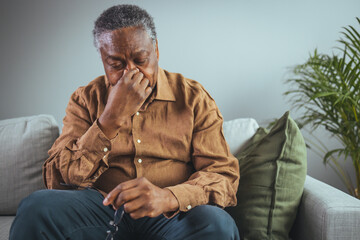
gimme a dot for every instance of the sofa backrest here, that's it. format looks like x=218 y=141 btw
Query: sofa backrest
x=24 y=143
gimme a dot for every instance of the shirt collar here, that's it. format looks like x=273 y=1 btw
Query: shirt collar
x=163 y=90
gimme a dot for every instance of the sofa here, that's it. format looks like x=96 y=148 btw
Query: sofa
x=323 y=213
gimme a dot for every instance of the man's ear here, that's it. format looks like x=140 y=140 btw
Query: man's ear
x=157 y=50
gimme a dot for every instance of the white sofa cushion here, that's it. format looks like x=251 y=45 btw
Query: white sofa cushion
x=24 y=143
x=238 y=131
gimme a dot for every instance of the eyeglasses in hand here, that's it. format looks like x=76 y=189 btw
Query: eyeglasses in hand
x=118 y=215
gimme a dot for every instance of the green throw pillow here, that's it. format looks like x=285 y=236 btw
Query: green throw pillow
x=272 y=176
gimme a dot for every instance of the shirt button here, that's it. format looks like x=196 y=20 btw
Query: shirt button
x=106 y=149
x=139 y=141
x=137 y=113
x=188 y=207
x=139 y=160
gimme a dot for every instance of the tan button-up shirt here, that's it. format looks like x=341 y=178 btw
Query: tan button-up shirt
x=175 y=140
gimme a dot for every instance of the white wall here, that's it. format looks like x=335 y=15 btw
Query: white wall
x=239 y=50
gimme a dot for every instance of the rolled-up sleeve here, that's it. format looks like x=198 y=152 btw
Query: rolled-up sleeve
x=81 y=148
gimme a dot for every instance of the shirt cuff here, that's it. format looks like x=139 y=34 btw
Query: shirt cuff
x=188 y=196
x=94 y=144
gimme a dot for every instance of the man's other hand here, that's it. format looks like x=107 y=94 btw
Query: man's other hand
x=141 y=198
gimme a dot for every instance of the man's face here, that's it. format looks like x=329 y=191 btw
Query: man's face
x=129 y=48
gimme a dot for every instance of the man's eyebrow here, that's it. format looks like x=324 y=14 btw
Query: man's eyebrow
x=141 y=52
x=114 y=58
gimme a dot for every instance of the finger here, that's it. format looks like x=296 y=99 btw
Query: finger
x=145 y=88
x=148 y=91
x=143 y=211
x=129 y=74
x=126 y=196
x=144 y=83
x=134 y=205
x=109 y=199
x=137 y=77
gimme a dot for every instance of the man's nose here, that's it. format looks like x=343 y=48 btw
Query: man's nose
x=130 y=65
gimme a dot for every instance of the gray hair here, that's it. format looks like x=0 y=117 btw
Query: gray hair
x=123 y=16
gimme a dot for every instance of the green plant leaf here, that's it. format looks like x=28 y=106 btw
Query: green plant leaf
x=323 y=94
x=331 y=153
x=326 y=88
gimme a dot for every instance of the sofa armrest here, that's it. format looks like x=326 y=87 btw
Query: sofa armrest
x=326 y=213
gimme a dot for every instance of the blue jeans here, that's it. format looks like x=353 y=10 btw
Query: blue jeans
x=80 y=214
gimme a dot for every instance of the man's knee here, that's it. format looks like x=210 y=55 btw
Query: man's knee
x=59 y=214
x=39 y=204
x=216 y=220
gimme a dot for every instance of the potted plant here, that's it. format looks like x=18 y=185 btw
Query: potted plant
x=327 y=89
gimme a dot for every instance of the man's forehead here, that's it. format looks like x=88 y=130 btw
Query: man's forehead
x=125 y=39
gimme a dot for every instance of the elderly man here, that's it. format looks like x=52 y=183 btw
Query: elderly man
x=140 y=140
